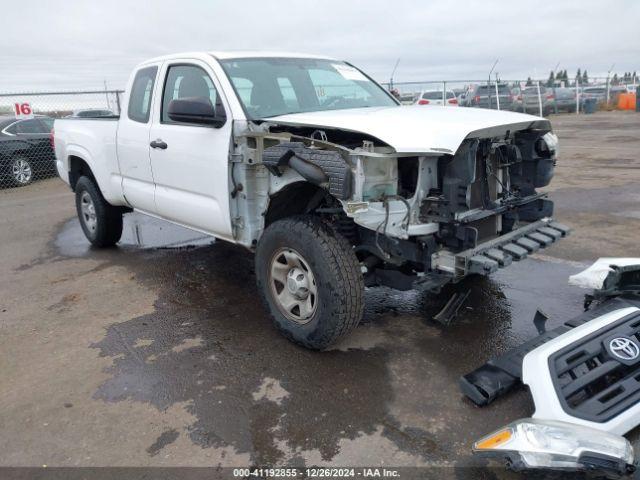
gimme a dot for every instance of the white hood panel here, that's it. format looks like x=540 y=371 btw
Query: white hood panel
x=416 y=128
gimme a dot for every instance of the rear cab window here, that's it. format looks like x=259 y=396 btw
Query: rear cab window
x=139 y=107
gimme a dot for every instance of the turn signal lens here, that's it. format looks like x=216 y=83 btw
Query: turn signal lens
x=493 y=440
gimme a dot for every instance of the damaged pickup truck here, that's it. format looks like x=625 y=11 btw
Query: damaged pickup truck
x=314 y=166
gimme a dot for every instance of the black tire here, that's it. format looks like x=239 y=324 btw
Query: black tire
x=336 y=275
x=21 y=171
x=106 y=229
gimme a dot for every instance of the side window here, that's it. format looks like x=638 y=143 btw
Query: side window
x=28 y=127
x=187 y=81
x=140 y=98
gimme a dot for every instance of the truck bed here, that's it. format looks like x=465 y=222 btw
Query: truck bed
x=94 y=139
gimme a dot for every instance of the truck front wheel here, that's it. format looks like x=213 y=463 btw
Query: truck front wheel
x=101 y=222
x=310 y=281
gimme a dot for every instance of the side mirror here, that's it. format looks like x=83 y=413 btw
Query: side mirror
x=196 y=110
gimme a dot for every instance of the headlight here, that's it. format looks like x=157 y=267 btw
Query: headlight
x=551 y=139
x=531 y=443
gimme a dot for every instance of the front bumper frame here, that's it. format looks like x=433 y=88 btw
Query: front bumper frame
x=491 y=255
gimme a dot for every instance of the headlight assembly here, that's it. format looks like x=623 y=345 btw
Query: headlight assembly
x=551 y=139
x=538 y=444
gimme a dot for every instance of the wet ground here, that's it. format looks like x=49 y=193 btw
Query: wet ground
x=158 y=352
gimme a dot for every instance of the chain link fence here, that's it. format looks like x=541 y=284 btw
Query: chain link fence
x=538 y=97
x=26 y=119
x=26 y=123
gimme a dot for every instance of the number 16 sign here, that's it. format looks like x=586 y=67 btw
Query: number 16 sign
x=23 y=110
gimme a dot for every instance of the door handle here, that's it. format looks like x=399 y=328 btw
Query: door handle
x=158 y=144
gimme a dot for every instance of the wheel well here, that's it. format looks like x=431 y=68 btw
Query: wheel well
x=294 y=199
x=78 y=168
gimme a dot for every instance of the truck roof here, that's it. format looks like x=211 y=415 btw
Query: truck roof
x=227 y=54
x=264 y=54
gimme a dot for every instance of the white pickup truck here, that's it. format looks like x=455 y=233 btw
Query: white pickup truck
x=316 y=168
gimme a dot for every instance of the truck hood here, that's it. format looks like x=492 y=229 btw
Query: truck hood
x=416 y=128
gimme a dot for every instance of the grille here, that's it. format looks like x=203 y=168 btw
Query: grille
x=590 y=382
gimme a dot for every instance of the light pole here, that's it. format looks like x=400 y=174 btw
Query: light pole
x=393 y=73
x=608 y=75
x=489 y=84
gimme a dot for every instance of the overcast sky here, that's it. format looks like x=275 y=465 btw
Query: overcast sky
x=68 y=44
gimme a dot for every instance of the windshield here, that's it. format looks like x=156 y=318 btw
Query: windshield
x=268 y=87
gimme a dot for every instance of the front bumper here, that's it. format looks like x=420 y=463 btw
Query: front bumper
x=572 y=374
x=493 y=254
x=583 y=378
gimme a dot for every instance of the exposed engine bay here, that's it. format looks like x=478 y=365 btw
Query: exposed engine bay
x=430 y=218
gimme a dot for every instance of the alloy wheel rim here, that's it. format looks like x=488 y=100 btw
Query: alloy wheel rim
x=88 y=211
x=22 y=171
x=293 y=285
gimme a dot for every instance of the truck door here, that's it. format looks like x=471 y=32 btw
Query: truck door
x=190 y=161
x=133 y=141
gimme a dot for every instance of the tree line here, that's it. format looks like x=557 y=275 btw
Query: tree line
x=583 y=78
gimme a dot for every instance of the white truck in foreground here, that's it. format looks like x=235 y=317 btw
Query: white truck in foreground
x=321 y=172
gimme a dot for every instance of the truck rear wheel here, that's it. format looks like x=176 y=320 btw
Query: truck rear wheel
x=310 y=281
x=101 y=222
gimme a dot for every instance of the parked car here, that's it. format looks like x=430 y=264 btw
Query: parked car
x=484 y=96
x=458 y=92
x=516 y=99
x=565 y=99
x=598 y=93
x=434 y=97
x=526 y=100
x=461 y=94
x=25 y=150
x=408 y=98
x=92 y=113
x=335 y=188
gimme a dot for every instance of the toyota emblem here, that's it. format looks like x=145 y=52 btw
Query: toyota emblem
x=624 y=348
